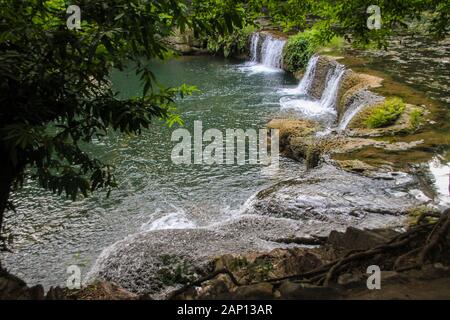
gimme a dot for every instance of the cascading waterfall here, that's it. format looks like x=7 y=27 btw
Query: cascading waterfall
x=325 y=109
x=330 y=94
x=271 y=52
x=348 y=116
x=307 y=80
x=359 y=101
x=254 y=47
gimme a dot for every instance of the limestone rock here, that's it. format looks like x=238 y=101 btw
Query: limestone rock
x=335 y=199
x=357 y=239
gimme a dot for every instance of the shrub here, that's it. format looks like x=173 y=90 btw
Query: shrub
x=303 y=45
x=385 y=114
x=298 y=51
x=336 y=43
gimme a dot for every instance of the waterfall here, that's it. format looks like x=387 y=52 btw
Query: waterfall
x=301 y=99
x=359 y=101
x=323 y=110
x=330 y=94
x=307 y=80
x=272 y=52
x=254 y=47
x=269 y=53
x=348 y=116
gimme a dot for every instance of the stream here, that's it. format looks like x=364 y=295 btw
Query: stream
x=160 y=207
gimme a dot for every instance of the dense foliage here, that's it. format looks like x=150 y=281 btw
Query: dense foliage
x=55 y=94
x=349 y=18
x=230 y=44
x=298 y=51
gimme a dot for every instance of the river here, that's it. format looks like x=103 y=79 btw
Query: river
x=51 y=233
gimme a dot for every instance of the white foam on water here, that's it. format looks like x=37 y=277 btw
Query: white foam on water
x=172 y=220
x=441 y=176
x=307 y=107
x=255 y=68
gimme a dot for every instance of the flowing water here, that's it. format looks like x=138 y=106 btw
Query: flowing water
x=194 y=211
x=305 y=84
x=266 y=54
x=51 y=233
x=300 y=100
x=271 y=52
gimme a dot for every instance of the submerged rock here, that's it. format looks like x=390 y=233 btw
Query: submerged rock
x=150 y=262
x=331 y=199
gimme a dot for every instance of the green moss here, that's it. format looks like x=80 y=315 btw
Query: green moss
x=416 y=117
x=175 y=271
x=239 y=263
x=415 y=213
x=258 y=270
x=385 y=114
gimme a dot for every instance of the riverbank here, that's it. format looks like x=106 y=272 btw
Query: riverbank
x=333 y=267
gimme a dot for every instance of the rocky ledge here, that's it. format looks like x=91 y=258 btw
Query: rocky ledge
x=332 y=267
x=297 y=273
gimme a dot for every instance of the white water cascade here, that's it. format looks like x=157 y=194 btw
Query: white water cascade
x=348 y=116
x=307 y=80
x=254 y=47
x=272 y=52
x=269 y=53
x=324 y=109
x=331 y=92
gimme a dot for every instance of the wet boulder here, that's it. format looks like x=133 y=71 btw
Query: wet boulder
x=328 y=198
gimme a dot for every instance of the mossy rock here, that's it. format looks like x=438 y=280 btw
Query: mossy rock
x=351 y=84
x=297 y=138
x=292 y=128
x=379 y=120
x=383 y=114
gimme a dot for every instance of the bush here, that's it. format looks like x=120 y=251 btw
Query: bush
x=385 y=114
x=303 y=45
x=298 y=51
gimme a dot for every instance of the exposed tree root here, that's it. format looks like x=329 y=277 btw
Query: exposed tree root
x=421 y=243
x=204 y=279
